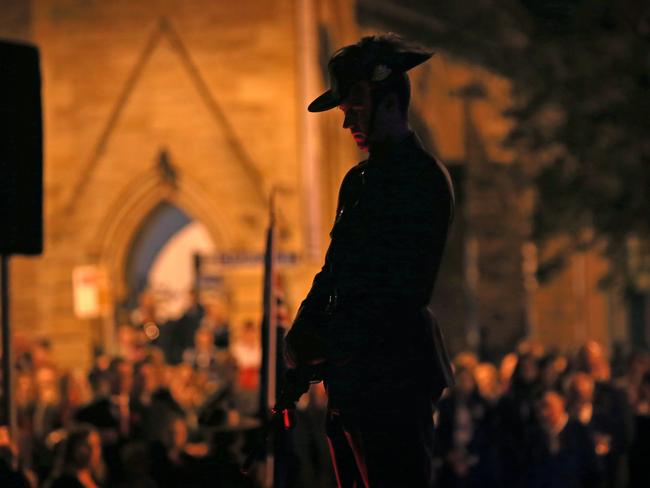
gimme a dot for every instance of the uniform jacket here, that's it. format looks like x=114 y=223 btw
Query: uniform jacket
x=366 y=314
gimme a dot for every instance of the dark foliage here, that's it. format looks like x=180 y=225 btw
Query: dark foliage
x=580 y=75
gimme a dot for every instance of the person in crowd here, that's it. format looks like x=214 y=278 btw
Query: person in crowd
x=462 y=440
x=580 y=397
x=22 y=345
x=247 y=353
x=640 y=449
x=47 y=417
x=203 y=355
x=591 y=360
x=561 y=453
x=506 y=370
x=167 y=333
x=487 y=382
x=151 y=400
x=127 y=339
x=612 y=414
x=217 y=321
x=11 y=474
x=515 y=418
x=216 y=365
x=171 y=463
x=113 y=416
x=465 y=360
x=145 y=383
x=47 y=411
x=187 y=388
x=552 y=368
x=75 y=392
x=41 y=354
x=24 y=398
x=135 y=458
x=638 y=364
x=145 y=312
x=531 y=347
x=80 y=463
x=187 y=325
x=99 y=376
x=223 y=465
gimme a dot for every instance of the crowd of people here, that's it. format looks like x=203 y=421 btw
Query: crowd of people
x=173 y=405
x=177 y=406
x=544 y=419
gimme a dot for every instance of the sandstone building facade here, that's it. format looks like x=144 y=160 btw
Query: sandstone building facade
x=198 y=106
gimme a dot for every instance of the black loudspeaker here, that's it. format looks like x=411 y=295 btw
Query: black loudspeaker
x=21 y=150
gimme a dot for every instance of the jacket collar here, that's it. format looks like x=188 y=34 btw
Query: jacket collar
x=390 y=152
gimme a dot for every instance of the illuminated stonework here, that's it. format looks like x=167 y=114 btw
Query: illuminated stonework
x=219 y=88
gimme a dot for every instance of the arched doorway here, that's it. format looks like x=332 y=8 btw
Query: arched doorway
x=161 y=259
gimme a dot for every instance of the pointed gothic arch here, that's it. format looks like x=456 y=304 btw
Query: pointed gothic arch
x=164 y=31
x=116 y=231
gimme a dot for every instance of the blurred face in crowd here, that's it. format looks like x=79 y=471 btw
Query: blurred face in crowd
x=40 y=355
x=639 y=364
x=125 y=336
x=465 y=382
x=507 y=368
x=76 y=388
x=214 y=312
x=644 y=388
x=552 y=370
x=594 y=361
x=527 y=370
x=249 y=335
x=147 y=378
x=203 y=340
x=581 y=388
x=486 y=378
x=593 y=354
x=122 y=378
x=466 y=360
x=552 y=410
x=47 y=386
x=24 y=389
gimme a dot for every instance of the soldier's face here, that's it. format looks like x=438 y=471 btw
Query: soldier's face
x=357 y=108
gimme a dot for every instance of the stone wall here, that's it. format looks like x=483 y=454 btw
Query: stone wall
x=211 y=83
x=216 y=86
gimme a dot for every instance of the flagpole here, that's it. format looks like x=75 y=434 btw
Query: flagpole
x=272 y=319
x=269 y=338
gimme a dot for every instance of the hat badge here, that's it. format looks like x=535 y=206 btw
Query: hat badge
x=381 y=72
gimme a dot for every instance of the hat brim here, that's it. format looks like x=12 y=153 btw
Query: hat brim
x=408 y=60
x=326 y=101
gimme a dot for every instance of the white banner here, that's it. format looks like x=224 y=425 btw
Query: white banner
x=89 y=288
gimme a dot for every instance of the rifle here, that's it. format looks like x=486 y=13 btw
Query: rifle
x=283 y=414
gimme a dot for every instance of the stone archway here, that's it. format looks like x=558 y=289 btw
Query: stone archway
x=110 y=247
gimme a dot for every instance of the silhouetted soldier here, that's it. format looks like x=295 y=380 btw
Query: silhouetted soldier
x=365 y=321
